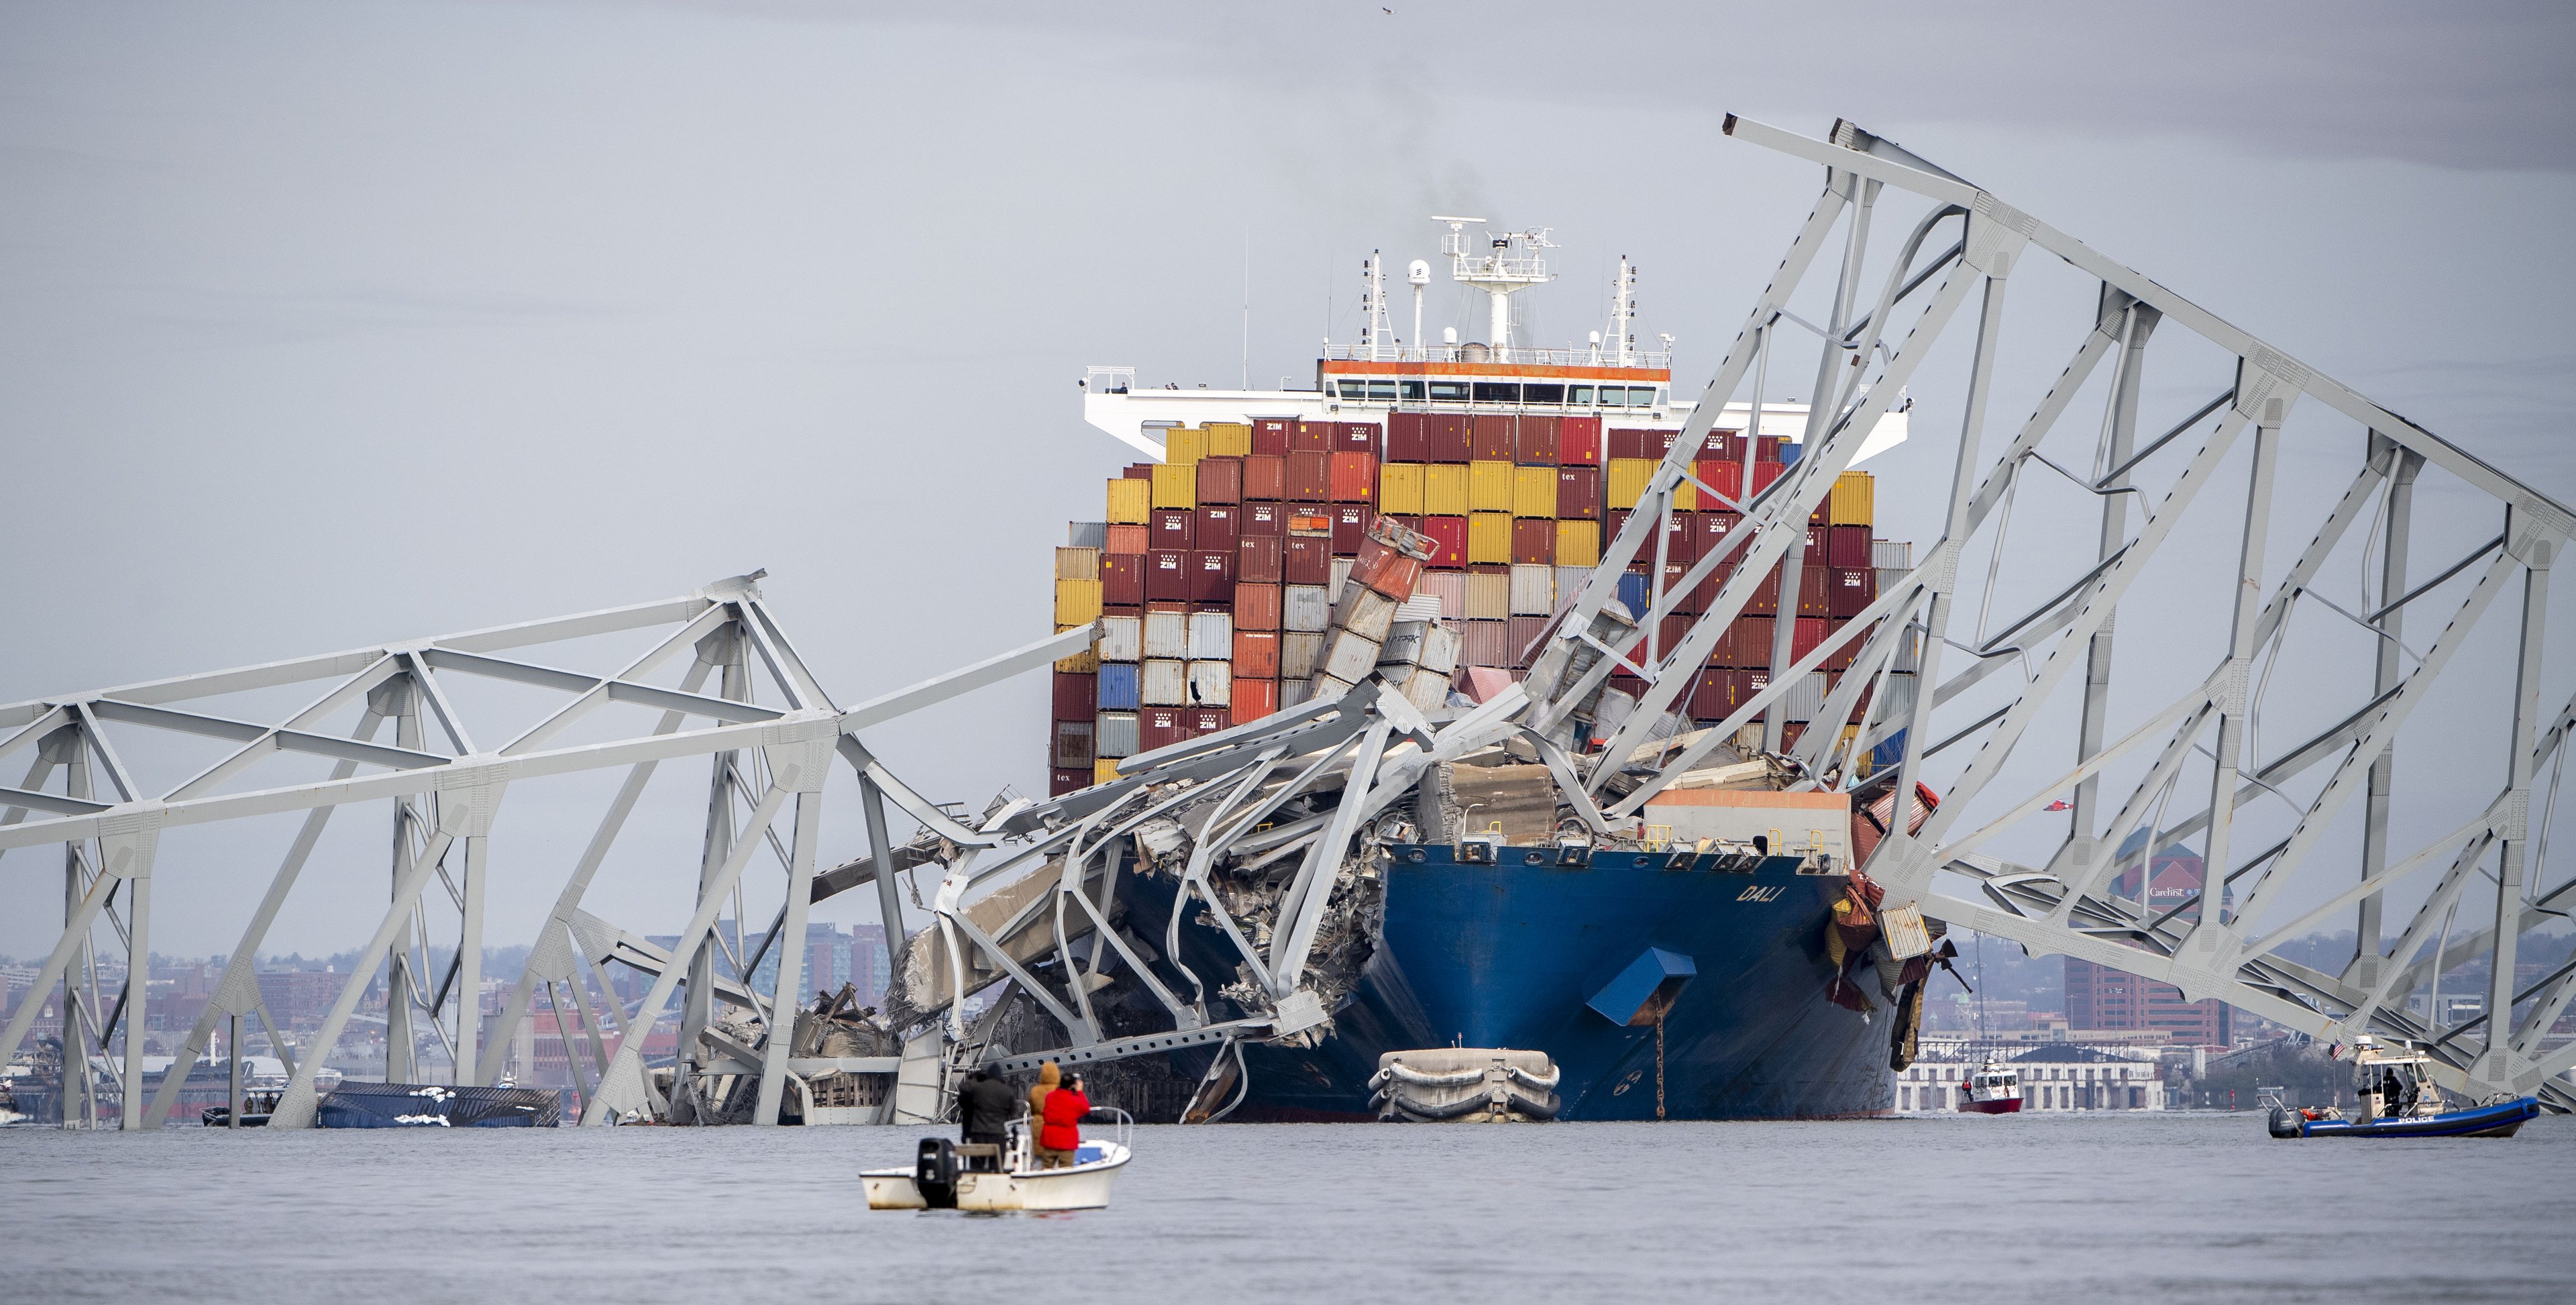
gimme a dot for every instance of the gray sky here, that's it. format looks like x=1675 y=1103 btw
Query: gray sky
x=322 y=324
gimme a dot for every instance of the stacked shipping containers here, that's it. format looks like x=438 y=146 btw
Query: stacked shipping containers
x=1218 y=573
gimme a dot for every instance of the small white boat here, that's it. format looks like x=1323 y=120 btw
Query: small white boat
x=941 y=1177
x=1994 y=1090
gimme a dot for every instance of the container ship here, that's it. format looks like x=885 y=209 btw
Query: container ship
x=1214 y=575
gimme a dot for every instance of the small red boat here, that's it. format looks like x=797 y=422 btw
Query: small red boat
x=1994 y=1090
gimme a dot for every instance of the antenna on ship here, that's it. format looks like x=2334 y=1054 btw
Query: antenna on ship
x=1623 y=311
x=1504 y=266
x=1419 y=274
x=1373 y=308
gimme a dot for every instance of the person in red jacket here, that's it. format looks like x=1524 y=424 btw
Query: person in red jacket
x=1060 y=1135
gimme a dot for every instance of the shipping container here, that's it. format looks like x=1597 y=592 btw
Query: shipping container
x=1408 y=437
x=1533 y=590
x=1399 y=489
x=1695 y=598
x=1889 y=577
x=1766 y=448
x=1176 y=486
x=1174 y=528
x=1077 y=602
x=1270 y=436
x=1262 y=519
x=1351 y=523
x=1215 y=528
x=1403 y=644
x=1642 y=442
x=1361 y=437
x=1183 y=446
x=1489 y=595
x=1427 y=690
x=1256 y=606
x=1113 y=734
x=1386 y=570
x=1353 y=477
x=1073 y=745
x=1805 y=637
x=1103 y=770
x=1229 y=439
x=1122 y=638
x=1447 y=588
x=1489 y=538
x=1265 y=478
x=1448 y=540
x=1086 y=534
x=1891 y=555
x=1310 y=477
x=1840 y=659
x=1340 y=582
x=1120 y=687
x=1578 y=543
x=1209 y=681
x=1299 y=650
x=1122 y=579
x=1364 y=612
x=1444 y=489
x=1126 y=539
x=1258 y=559
x=1489 y=486
x=1212 y=576
x=1524 y=638
x=1304 y=609
x=1485 y=642
x=1489 y=439
x=1061 y=782
x=1253 y=699
x=1570 y=581
x=1746 y=644
x=1578 y=493
x=1853 y=501
x=1311 y=437
x=1765 y=599
x=1256 y=654
x=1806 y=697
x=1160 y=727
x=1452 y=437
x=1533 y=541
x=1220 y=480
x=1815 y=590
x=1578 y=442
x=1534 y=492
x=1349 y=656
x=1441 y=646
x=1329 y=687
x=1854 y=588
x=1715 y=694
x=1681 y=538
x=1086 y=662
x=1167 y=633
x=1307 y=560
x=1130 y=501
x=1077 y=697
x=1535 y=443
x=1211 y=636
x=1763 y=474
x=1724 y=475
x=1629 y=478
x=1294 y=693
x=1164 y=682
x=1712 y=529
x=1634 y=589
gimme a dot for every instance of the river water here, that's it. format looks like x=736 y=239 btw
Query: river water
x=2058 y=1208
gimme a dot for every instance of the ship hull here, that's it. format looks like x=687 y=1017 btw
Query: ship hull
x=1510 y=955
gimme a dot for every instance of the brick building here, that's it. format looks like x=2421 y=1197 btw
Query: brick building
x=2099 y=997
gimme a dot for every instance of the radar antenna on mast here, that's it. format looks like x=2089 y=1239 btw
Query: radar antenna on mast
x=1507 y=264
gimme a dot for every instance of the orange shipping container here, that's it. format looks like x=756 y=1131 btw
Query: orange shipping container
x=1354 y=478
x=1126 y=539
x=1253 y=699
x=1256 y=654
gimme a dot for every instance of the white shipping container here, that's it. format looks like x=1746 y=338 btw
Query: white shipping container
x=1350 y=657
x=1298 y=654
x=1403 y=645
x=1167 y=634
x=1427 y=690
x=1891 y=555
x=1908 y=659
x=1533 y=590
x=1329 y=686
x=1448 y=587
x=1441 y=645
x=1304 y=608
x=1806 y=698
x=1342 y=576
x=1211 y=636
x=1570 y=581
x=1086 y=534
x=1890 y=577
x=1122 y=638
x=1420 y=607
x=1295 y=693
x=1114 y=734
x=1899 y=704
x=1165 y=683
x=1364 y=612
x=1211 y=684
x=1489 y=596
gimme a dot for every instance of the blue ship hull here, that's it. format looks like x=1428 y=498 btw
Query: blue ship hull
x=2498 y=1120
x=1510 y=955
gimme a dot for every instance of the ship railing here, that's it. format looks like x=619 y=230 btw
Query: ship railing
x=1460 y=353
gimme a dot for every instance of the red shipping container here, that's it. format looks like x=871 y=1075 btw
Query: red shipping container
x=1160 y=727
x=1847 y=545
x=1763 y=474
x=1450 y=536
x=1139 y=471
x=1256 y=655
x=1854 y=588
x=1167 y=576
x=1256 y=606
x=1721 y=474
x=1311 y=437
x=1616 y=521
x=1714 y=527
x=1578 y=442
x=1715 y=694
x=1262 y=519
x=1747 y=644
x=1122 y=579
x=1452 y=437
x=1356 y=437
x=1840 y=659
x=1257 y=559
x=1766 y=597
x=1213 y=529
x=1252 y=699
x=1307 y=561
x=1265 y=478
x=1535 y=443
x=1212 y=576
x=1061 y=782
x=1077 y=697
x=1350 y=527
x=1637 y=442
x=1766 y=448
x=1808 y=635
x=1723 y=444
x=1220 y=480
x=1354 y=477
x=1203 y=721
x=1819 y=545
x=1270 y=436
x=1310 y=476
x=1681 y=538
x=1578 y=493
x=1389 y=571
x=1408 y=437
x=1815 y=590
x=1129 y=539
x=1694 y=602
x=1490 y=439
x=1534 y=541
x=1174 y=528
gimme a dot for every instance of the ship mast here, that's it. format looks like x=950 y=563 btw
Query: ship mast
x=1507 y=265
x=1623 y=312
x=1373 y=341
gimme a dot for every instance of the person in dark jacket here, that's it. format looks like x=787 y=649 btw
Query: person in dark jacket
x=986 y=1104
x=1060 y=1134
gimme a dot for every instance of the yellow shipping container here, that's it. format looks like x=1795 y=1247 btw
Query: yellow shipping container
x=1578 y=543
x=1183 y=446
x=1104 y=770
x=1444 y=490
x=1229 y=439
x=1489 y=487
x=1686 y=498
x=1131 y=502
x=1399 y=489
x=1085 y=662
x=1077 y=602
x=1853 y=500
x=1533 y=491
x=1628 y=480
x=1077 y=564
x=1176 y=485
x=1489 y=537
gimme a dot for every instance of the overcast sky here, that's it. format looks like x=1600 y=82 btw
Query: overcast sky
x=324 y=324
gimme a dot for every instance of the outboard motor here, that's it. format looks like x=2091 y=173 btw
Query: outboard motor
x=2282 y=1123
x=934 y=1171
